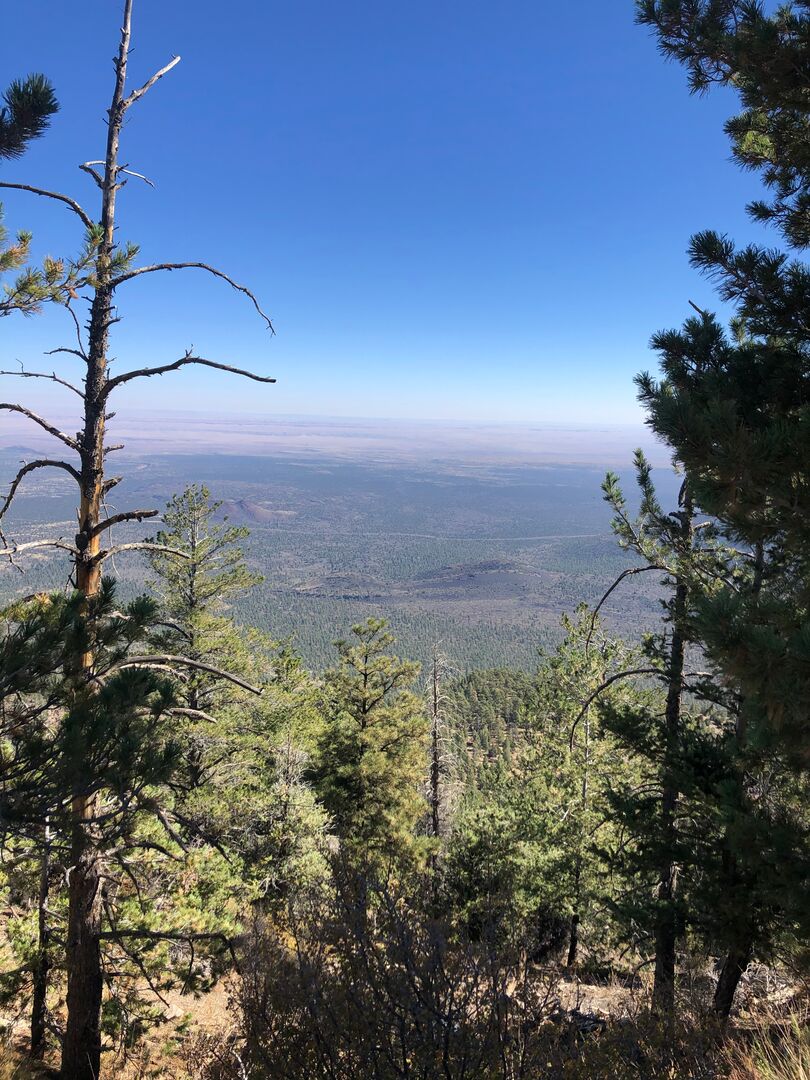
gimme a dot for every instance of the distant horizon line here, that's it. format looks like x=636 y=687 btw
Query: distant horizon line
x=566 y=425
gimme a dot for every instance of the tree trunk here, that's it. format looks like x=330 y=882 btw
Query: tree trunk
x=666 y=923
x=573 y=938
x=734 y=965
x=81 y=1052
x=573 y=941
x=741 y=951
x=39 y=993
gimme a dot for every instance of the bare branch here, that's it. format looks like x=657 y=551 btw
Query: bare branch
x=624 y=574
x=163 y=935
x=53 y=377
x=140 y=545
x=137 y=175
x=117 y=519
x=167 y=660
x=87 y=167
x=74 y=206
x=42 y=463
x=78 y=329
x=57 y=434
x=138 y=272
x=147 y=373
x=18 y=549
x=137 y=94
x=195 y=714
x=601 y=688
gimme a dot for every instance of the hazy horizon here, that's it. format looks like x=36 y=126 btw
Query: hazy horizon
x=168 y=431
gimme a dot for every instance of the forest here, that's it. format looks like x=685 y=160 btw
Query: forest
x=222 y=860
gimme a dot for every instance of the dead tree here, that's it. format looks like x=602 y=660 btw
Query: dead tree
x=85 y=461
x=440 y=779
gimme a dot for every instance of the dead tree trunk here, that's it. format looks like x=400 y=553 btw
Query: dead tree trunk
x=437 y=793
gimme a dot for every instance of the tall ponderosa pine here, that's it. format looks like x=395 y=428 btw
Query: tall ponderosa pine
x=688 y=557
x=112 y=266
x=733 y=408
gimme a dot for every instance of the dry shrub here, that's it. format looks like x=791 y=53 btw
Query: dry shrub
x=377 y=988
x=777 y=1049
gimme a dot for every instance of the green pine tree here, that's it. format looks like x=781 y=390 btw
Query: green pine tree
x=244 y=755
x=732 y=406
x=371 y=760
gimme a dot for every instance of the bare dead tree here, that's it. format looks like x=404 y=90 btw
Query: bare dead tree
x=440 y=765
x=112 y=267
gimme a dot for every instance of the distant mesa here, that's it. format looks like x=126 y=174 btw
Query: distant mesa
x=245 y=510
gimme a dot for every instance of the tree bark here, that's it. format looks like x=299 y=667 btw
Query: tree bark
x=666 y=923
x=734 y=965
x=573 y=941
x=741 y=951
x=667 y=926
x=81 y=1053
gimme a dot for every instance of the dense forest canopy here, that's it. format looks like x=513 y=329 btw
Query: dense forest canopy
x=378 y=868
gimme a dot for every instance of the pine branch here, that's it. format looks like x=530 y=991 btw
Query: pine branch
x=18 y=549
x=601 y=689
x=138 y=545
x=624 y=574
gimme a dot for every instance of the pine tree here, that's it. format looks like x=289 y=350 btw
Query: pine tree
x=372 y=756
x=578 y=760
x=732 y=407
x=691 y=560
x=109 y=266
x=26 y=113
x=244 y=756
x=117 y=722
x=199 y=569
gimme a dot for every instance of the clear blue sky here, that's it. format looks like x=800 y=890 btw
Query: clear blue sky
x=462 y=210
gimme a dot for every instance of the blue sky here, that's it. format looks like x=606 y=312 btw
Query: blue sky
x=461 y=210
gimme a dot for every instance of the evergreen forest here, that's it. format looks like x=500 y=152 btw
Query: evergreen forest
x=220 y=858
